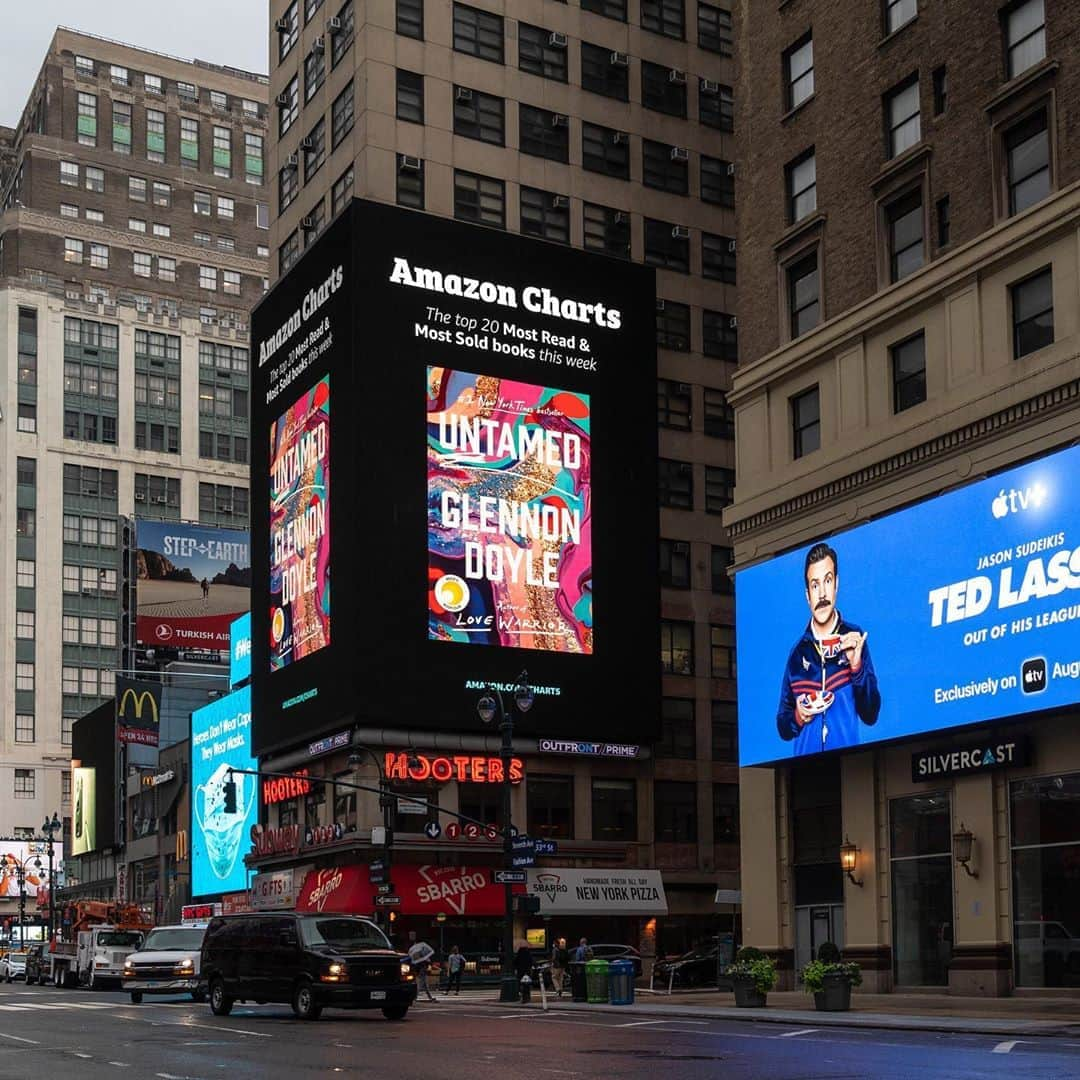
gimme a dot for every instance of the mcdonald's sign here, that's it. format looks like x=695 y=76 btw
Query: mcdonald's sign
x=138 y=711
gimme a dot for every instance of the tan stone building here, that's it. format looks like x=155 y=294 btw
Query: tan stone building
x=908 y=234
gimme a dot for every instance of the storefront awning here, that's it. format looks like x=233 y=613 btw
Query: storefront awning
x=568 y=891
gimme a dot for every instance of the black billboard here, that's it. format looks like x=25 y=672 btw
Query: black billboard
x=481 y=408
x=94 y=784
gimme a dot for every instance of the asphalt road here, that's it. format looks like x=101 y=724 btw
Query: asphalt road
x=48 y=1032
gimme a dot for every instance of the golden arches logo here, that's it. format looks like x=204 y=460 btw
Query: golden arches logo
x=140 y=697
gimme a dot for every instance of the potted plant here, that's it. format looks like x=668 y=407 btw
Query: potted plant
x=830 y=980
x=753 y=975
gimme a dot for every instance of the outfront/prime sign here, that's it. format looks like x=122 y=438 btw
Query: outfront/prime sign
x=961 y=609
x=976 y=756
x=569 y=891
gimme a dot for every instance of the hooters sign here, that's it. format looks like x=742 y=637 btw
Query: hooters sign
x=465 y=768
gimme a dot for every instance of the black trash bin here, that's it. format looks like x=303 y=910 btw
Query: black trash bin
x=578 y=989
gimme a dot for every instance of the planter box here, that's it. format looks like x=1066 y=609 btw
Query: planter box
x=747 y=995
x=835 y=995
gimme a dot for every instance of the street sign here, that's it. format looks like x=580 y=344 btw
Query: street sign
x=432 y=830
x=387 y=901
x=547 y=847
x=378 y=864
x=523 y=859
x=453 y=831
x=386 y=889
x=509 y=877
x=522 y=843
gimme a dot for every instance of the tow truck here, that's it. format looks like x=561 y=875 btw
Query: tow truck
x=101 y=937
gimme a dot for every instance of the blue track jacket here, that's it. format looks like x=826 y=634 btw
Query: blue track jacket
x=856 y=696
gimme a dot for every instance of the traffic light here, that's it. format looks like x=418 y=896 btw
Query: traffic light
x=230 y=795
x=528 y=905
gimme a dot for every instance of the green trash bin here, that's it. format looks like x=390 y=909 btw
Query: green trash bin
x=596 y=982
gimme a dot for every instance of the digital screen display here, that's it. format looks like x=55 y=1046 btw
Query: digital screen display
x=961 y=609
x=84 y=813
x=300 y=528
x=240 y=650
x=220 y=740
x=510 y=513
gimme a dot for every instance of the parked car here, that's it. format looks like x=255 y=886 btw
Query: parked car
x=37 y=963
x=13 y=965
x=167 y=962
x=698 y=967
x=309 y=961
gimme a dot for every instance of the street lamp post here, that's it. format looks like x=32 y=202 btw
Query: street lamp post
x=386 y=803
x=48 y=828
x=21 y=866
x=488 y=708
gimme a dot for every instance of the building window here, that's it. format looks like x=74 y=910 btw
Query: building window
x=25 y=573
x=720 y=561
x=24 y=676
x=676 y=647
x=605 y=150
x=99 y=256
x=725 y=732
x=24 y=784
x=230 y=282
x=84 y=66
x=614 y=808
x=1032 y=313
x=545 y=215
x=666 y=17
x=137 y=225
x=25 y=521
x=540 y=52
x=722 y=663
x=543 y=134
x=341 y=116
x=253 y=158
x=678 y=737
x=610 y=9
x=714 y=31
x=288 y=29
x=899 y=13
x=904 y=220
x=409 y=19
x=27 y=417
x=675 y=804
x=606 y=229
x=909 y=372
x=673 y=325
x=799 y=69
x=802 y=186
x=1025 y=35
x=289 y=252
x=663 y=89
x=24 y=625
x=86 y=119
x=136 y=189
x=161 y=194
x=69 y=174
x=665 y=167
x=902 y=116
x=24 y=727
x=605 y=72
x=166 y=268
x=718 y=417
x=718 y=258
x=95 y=179
x=719 y=335
x=550 y=806
x=719 y=488
x=667 y=245
x=288 y=187
x=804 y=296
x=289 y=105
x=222 y=151
x=480 y=199
x=479 y=116
x=314 y=147
x=340 y=42
x=208 y=278
x=342 y=191
x=73 y=250
x=676 y=484
x=121 y=118
x=806 y=422
x=189 y=142
x=725 y=813
x=674 y=564
x=220 y=504
x=943 y=221
x=410 y=96
x=717 y=182
x=716 y=106
x=314 y=72
x=140 y=263
x=1027 y=150
x=155 y=135
x=673 y=404
x=941 y=89
x=478 y=33
x=410 y=182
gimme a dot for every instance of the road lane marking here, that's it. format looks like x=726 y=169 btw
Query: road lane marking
x=76 y=1053
x=1005 y=1047
x=120 y=1064
x=792 y=1034
x=19 y=1038
x=191 y=1024
x=646 y=1023
x=14 y=1008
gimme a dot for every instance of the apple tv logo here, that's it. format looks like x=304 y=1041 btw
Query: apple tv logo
x=1015 y=500
x=1033 y=675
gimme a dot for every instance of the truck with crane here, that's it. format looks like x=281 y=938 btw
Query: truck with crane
x=99 y=938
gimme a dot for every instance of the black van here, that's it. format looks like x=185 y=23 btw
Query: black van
x=307 y=960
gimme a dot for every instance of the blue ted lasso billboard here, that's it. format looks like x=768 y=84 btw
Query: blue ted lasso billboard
x=220 y=739
x=961 y=609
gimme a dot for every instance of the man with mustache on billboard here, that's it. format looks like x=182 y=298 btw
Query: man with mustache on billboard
x=829 y=684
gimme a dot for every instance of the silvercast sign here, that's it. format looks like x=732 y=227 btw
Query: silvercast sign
x=972 y=758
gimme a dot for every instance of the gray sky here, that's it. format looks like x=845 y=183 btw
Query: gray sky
x=222 y=31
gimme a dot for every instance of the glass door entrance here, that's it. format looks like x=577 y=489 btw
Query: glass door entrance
x=815 y=925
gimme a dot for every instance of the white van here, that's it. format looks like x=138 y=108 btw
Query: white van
x=167 y=963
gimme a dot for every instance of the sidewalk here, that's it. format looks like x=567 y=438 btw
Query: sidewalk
x=1015 y=1016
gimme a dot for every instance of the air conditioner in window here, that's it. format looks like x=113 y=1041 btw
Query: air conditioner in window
x=140 y=497
x=560 y=120
x=307 y=143
x=686 y=469
x=680 y=153
x=307 y=223
x=685 y=388
x=676 y=76
x=283 y=99
x=557 y=40
x=318 y=45
x=224 y=509
x=681 y=547
x=621 y=217
x=463 y=94
x=708 y=86
x=619 y=59
x=731 y=245
x=333 y=24
x=292 y=162
x=618 y=138
x=680 y=232
x=160 y=499
x=283 y=25
x=407 y=163
x=560 y=202
x=731 y=168
x=660 y=304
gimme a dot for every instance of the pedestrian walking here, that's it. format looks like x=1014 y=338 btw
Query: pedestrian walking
x=560 y=961
x=420 y=956
x=583 y=952
x=455 y=965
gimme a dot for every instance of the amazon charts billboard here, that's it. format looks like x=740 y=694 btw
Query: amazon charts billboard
x=961 y=609
x=493 y=452
x=193 y=580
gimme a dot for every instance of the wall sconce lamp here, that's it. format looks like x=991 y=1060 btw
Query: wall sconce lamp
x=961 y=845
x=849 y=858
